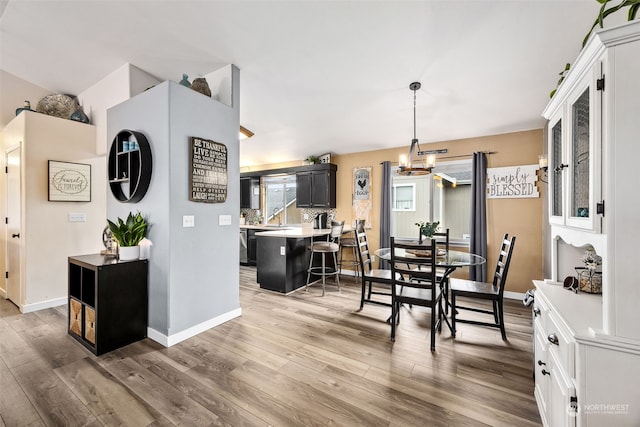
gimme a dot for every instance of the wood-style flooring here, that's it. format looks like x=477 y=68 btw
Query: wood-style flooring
x=296 y=360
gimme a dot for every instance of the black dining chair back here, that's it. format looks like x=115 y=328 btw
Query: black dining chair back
x=348 y=244
x=493 y=291
x=413 y=269
x=370 y=275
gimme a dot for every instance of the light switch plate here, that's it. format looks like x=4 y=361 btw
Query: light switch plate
x=282 y=251
x=77 y=217
x=188 y=221
x=224 y=220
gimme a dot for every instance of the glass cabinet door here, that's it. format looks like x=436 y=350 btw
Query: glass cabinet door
x=580 y=150
x=555 y=174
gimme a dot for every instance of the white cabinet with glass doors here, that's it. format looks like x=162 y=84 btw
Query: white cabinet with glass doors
x=575 y=193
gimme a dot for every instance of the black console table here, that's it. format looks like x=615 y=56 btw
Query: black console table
x=108 y=301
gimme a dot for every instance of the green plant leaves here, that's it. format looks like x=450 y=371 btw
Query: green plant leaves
x=129 y=232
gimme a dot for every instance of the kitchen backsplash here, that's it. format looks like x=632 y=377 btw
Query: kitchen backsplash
x=251 y=215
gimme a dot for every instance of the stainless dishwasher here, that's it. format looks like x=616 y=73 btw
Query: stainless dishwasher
x=243 y=246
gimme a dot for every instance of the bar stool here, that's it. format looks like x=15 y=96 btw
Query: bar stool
x=331 y=246
x=350 y=244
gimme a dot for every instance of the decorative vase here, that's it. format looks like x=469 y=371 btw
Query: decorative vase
x=128 y=253
x=79 y=116
x=200 y=85
x=27 y=107
x=185 y=81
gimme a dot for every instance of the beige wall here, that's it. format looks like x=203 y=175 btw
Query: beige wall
x=519 y=217
x=47 y=235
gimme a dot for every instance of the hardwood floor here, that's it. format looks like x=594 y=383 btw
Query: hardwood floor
x=297 y=360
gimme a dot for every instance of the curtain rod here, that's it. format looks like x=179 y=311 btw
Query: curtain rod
x=456 y=157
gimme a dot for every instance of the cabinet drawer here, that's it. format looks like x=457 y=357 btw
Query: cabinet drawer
x=90 y=325
x=75 y=317
x=561 y=345
x=540 y=314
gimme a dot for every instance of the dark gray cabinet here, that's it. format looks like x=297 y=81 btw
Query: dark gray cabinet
x=316 y=189
x=250 y=193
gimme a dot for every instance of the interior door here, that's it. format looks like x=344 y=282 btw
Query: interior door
x=13 y=226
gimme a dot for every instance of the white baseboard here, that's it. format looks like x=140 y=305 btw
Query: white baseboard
x=169 y=340
x=28 y=308
x=3 y=293
x=513 y=295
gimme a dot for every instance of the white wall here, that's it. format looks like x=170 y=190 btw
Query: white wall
x=48 y=237
x=14 y=92
x=115 y=88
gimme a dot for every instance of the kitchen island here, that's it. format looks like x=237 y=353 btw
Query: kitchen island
x=283 y=257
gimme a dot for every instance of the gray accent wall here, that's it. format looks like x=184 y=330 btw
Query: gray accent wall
x=193 y=272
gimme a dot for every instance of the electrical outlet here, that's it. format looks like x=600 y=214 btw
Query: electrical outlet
x=282 y=251
x=373 y=258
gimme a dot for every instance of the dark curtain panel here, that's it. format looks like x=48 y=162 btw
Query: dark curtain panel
x=385 y=211
x=478 y=244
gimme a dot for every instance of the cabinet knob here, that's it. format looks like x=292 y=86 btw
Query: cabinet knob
x=541 y=363
x=545 y=372
x=536 y=311
x=553 y=339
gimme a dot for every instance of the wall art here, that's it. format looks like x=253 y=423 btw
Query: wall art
x=69 y=182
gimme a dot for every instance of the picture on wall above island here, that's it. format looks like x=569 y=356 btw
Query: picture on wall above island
x=69 y=182
x=208 y=166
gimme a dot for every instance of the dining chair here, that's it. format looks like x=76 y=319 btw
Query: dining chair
x=370 y=275
x=493 y=291
x=442 y=242
x=415 y=286
x=349 y=244
x=330 y=246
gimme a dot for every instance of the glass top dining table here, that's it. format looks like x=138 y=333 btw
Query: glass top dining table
x=450 y=259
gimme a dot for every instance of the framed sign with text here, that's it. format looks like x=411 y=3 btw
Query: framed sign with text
x=513 y=182
x=69 y=182
x=208 y=171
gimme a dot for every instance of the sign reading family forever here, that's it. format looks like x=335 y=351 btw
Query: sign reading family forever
x=512 y=182
x=208 y=178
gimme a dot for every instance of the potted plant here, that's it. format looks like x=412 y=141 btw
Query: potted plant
x=128 y=234
x=427 y=229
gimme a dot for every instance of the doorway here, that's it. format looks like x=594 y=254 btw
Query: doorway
x=13 y=226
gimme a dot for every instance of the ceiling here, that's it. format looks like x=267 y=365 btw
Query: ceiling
x=318 y=76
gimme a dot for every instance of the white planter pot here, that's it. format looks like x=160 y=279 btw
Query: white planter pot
x=128 y=253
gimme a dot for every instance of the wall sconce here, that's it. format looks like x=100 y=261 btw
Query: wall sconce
x=543 y=165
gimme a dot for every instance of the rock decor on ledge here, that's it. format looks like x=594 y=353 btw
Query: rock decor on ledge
x=200 y=85
x=62 y=106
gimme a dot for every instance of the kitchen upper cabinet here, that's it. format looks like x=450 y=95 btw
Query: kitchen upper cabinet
x=250 y=193
x=316 y=189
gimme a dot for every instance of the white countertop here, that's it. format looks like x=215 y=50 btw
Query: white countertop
x=298 y=232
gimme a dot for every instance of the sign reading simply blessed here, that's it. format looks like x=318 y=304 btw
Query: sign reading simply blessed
x=208 y=178
x=512 y=182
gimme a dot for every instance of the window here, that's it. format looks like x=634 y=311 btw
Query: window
x=404 y=196
x=280 y=200
x=444 y=195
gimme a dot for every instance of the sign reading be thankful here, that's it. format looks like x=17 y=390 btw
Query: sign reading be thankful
x=512 y=182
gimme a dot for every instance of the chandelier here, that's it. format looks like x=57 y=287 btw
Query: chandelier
x=413 y=164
